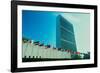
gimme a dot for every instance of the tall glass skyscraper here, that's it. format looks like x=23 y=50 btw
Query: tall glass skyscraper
x=65 y=37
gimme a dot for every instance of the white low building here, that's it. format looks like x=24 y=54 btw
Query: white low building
x=30 y=50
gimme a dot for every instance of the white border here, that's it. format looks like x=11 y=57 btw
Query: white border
x=53 y=63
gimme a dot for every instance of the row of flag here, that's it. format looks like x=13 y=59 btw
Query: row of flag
x=48 y=46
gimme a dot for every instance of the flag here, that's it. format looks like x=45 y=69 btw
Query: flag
x=77 y=52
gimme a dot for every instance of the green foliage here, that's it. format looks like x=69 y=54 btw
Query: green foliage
x=75 y=56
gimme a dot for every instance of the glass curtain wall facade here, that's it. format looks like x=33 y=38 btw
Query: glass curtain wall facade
x=65 y=38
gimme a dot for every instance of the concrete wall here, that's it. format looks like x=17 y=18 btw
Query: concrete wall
x=30 y=49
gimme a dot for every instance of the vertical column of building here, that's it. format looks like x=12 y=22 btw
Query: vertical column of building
x=67 y=35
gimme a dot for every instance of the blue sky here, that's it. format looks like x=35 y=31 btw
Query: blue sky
x=40 y=26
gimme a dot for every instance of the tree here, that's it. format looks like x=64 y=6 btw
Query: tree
x=76 y=56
